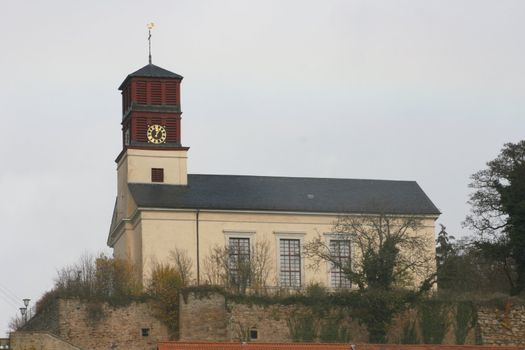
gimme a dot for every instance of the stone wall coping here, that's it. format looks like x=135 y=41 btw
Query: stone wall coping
x=172 y=345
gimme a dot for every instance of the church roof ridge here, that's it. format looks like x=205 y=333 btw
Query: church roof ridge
x=303 y=177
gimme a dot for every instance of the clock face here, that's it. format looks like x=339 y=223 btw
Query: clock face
x=156 y=134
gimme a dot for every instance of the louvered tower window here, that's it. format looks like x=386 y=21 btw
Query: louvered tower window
x=157 y=175
x=156 y=93
x=142 y=92
x=171 y=93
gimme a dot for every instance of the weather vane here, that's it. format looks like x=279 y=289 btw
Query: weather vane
x=150 y=27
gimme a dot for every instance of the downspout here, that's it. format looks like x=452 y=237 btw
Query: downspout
x=198 y=254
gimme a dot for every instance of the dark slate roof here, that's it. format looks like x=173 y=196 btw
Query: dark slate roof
x=297 y=194
x=151 y=71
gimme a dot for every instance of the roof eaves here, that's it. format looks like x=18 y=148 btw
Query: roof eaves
x=151 y=71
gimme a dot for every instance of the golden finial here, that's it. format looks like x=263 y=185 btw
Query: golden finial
x=150 y=26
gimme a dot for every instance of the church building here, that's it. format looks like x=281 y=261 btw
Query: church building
x=161 y=208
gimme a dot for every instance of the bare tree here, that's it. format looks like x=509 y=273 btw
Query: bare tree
x=78 y=278
x=260 y=265
x=390 y=250
x=183 y=264
x=16 y=323
x=215 y=266
x=99 y=276
x=223 y=266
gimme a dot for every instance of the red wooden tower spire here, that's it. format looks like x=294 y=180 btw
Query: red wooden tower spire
x=151 y=109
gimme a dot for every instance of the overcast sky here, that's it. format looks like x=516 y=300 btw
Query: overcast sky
x=411 y=90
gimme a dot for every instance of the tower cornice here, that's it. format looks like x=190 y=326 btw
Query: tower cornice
x=135 y=107
x=146 y=147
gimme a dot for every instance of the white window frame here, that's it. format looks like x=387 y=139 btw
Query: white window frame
x=238 y=234
x=289 y=235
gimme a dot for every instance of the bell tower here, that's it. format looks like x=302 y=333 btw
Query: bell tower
x=152 y=151
x=151 y=111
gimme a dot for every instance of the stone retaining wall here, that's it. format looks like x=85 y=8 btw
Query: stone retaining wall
x=502 y=326
x=203 y=318
x=212 y=318
x=47 y=320
x=97 y=326
x=39 y=341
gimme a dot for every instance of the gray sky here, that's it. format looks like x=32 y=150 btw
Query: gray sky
x=412 y=90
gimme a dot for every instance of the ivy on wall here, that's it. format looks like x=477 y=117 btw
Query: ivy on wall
x=434 y=321
x=336 y=317
x=303 y=326
x=466 y=319
x=409 y=335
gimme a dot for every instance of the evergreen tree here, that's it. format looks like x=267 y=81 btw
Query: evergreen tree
x=498 y=211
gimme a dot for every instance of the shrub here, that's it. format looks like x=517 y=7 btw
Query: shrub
x=101 y=279
x=164 y=287
x=115 y=281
